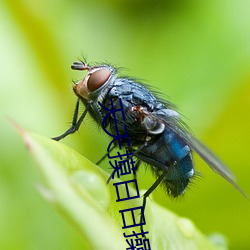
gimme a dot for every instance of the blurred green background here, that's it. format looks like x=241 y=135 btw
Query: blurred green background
x=196 y=52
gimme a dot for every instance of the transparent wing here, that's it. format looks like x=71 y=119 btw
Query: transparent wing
x=208 y=156
x=175 y=124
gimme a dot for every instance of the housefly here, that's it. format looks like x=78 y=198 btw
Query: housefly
x=156 y=132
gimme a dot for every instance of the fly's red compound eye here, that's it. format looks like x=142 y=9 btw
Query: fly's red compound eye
x=97 y=79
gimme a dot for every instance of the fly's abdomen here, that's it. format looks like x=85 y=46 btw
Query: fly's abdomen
x=180 y=165
x=168 y=154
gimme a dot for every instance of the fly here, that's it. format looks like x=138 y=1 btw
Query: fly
x=156 y=132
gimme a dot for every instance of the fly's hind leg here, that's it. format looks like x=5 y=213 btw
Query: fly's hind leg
x=148 y=192
x=138 y=163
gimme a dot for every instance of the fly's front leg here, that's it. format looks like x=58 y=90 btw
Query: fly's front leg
x=75 y=123
x=97 y=113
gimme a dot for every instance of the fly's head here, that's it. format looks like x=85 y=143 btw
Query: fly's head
x=95 y=81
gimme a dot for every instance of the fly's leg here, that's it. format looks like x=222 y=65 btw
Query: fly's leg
x=102 y=159
x=138 y=162
x=105 y=156
x=110 y=177
x=98 y=115
x=148 y=192
x=75 y=123
x=108 y=180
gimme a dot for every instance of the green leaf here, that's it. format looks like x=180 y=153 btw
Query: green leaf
x=78 y=189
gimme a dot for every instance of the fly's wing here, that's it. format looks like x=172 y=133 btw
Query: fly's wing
x=212 y=160
x=175 y=124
